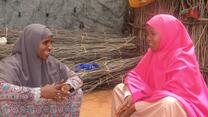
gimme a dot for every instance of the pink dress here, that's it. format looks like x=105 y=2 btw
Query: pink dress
x=173 y=70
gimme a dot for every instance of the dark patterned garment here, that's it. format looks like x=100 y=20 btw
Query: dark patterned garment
x=16 y=101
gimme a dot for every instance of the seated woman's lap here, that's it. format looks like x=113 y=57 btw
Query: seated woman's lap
x=68 y=107
x=168 y=106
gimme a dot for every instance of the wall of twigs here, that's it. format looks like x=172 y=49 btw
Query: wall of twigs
x=113 y=53
x=196 y=23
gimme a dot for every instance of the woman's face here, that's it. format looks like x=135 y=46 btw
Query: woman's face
x=45 y=48
x=153 y=38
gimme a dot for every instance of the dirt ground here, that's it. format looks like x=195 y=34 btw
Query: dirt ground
x=97 y=104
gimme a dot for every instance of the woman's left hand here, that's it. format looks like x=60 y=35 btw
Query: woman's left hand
x=126 y=104
x=128 y=112
x=64 y=90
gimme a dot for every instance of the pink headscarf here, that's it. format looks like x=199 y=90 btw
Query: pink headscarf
x=173 y=70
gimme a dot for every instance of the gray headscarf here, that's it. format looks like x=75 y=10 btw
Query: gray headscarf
x=25 y=68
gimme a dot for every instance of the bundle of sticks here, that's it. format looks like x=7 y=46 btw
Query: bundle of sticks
x=114 y=54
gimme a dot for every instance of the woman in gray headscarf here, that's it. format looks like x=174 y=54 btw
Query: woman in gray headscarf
x=32 y=82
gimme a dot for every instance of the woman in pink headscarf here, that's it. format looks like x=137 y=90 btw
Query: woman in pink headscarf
x=167 y=81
